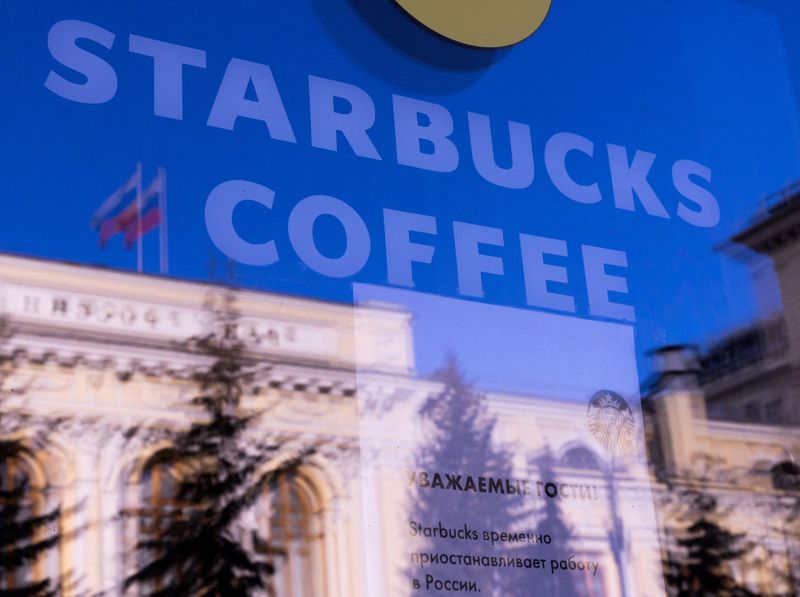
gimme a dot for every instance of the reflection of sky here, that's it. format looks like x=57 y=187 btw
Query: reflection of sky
x=705 y=81
x=516 y=350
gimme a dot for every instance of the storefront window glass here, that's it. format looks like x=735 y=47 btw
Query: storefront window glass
x=353 y=298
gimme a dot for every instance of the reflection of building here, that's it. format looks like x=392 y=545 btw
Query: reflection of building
x=102 y=348
x=753 y=375
x=728 y=421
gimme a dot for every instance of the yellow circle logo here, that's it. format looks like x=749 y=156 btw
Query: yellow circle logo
x=480 y=23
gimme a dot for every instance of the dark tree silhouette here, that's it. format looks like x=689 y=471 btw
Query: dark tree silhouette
x=25 y=536
x=700 y=566
x=550 y=520
x=459 y=440
x=201 y=548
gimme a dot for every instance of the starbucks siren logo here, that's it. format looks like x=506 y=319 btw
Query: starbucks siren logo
x=611 y=421
x=480 y=23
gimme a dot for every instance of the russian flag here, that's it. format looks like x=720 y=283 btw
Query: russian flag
x=133 y=230
x=128 y=221
x=110 y=205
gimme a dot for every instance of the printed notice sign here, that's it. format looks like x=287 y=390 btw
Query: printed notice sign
x=509 y=455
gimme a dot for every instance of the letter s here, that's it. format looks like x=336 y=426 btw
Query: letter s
x=101 y=80
x=708 y=214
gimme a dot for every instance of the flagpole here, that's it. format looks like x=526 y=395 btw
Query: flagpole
x=163 y=237
x=139 y=251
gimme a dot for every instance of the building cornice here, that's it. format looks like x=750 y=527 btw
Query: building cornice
x=780 y=227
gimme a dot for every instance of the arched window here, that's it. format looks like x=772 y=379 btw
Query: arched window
x=158 y=486
x=285 y=527
x=580 y=458
x=786 y=476
x=158 y=509
x=294 y=529
x=31 y=532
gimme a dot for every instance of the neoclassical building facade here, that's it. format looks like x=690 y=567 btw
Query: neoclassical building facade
x=93 y=353
x=100 y=352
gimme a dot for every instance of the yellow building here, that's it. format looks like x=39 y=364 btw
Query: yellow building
x=102 y=351
x=726 y=421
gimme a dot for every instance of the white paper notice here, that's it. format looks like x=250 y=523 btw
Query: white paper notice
x=502 y=452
